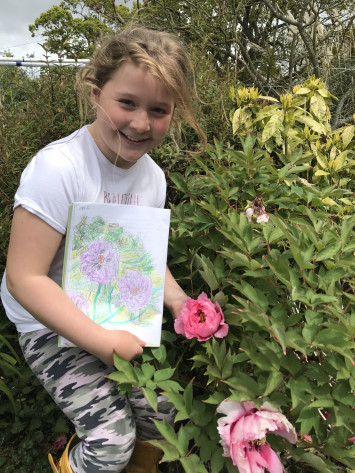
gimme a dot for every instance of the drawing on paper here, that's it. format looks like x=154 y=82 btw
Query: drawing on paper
x=111 y=277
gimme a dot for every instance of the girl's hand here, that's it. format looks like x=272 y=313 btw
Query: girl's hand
x=124 y=343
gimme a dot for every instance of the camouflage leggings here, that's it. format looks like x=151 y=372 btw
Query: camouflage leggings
x=106 y=423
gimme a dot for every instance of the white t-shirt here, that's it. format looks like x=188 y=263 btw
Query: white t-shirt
x=73 y=169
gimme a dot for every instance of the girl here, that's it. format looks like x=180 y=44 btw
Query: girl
x=138 y=84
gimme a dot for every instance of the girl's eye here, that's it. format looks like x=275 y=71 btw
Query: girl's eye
x=126 y=102
x=159 y=111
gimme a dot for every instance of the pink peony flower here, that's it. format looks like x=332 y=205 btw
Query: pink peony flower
x=201 y=319
x=262 y=218
x=243 y=431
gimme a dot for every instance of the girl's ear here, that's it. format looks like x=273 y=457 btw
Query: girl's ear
x=95 y=94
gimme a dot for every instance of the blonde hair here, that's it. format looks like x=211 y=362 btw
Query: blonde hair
x=161 y=53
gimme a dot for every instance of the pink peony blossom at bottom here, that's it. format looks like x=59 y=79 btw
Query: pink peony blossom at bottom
x=243 y=430
x=202 y=319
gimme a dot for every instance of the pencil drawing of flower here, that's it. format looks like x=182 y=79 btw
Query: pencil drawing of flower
x=135 y=290
x=79 y=300
x=100 y=262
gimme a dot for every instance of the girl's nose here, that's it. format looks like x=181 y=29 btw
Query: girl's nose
x=140 y=121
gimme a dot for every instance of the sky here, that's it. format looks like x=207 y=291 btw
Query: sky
x=15 y=17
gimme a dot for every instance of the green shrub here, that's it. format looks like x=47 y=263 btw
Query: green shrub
x=33 y=112
x=286 y=286
x=38 y=111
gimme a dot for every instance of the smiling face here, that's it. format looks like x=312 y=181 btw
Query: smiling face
x=134 y=111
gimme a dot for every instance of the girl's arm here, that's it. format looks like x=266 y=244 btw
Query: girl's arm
x=174 y=296
x=33 y=245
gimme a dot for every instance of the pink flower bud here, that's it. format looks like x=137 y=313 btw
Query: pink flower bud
x=249 y=213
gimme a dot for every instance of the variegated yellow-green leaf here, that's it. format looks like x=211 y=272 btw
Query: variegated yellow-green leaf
x=324 y=93
x=333 y=153
x=340 y=160
x=346 y=201
x=303 y=91
x=318 y=107
x=274 y=127
x=313 y=124
x=267 y=97
x=347 y=135
x=321 y=173
x=268 y=111
x=322 y=161
x=329 y=201
x=241 y=120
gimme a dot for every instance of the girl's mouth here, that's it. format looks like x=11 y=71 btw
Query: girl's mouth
x=131 y=139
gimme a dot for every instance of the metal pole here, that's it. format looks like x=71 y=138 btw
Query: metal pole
x=32 y=62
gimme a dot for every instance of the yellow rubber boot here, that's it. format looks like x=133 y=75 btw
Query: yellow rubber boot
x=63 y=464
x=144 y=458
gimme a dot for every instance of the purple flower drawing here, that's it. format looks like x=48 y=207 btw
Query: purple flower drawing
x=100 y=262
x=135 y=290
x=79 y=300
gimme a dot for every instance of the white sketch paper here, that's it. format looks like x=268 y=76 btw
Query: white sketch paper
x=114 y=266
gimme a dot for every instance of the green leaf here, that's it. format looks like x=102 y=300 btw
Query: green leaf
x=170 y=385
x=315 y=462
x=216 y=398
x=192 y=464
x=164 y=374
x=208 y=274
x=274 y=379
x=151 y=397
x=122 y=378
x=147 y=370
x=166 y=430
x=159 y=353
x=170 y=451
x=179 y=181
x=183 y=440
x=300 y=258
x=125 y=367
x=254 y=295
x=188 y=396
x=244 y=384
x=346 y=229
x=280 y=335
x=9 y=394
x=178 y=401
x=329 y=251
x=217 y=460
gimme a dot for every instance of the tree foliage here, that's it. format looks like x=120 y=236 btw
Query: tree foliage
x=74 y=27
x=269 y=44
